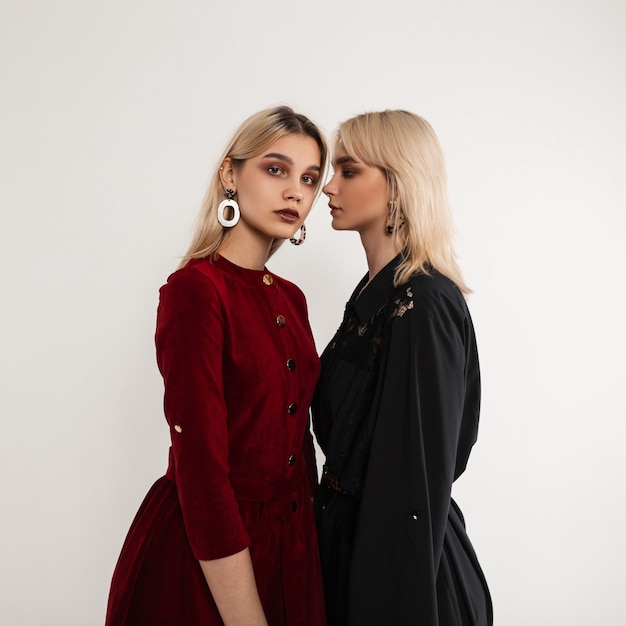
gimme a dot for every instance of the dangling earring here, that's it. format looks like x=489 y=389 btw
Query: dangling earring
x=390 y=224
x=394 y=221
x=297 y=242
x=229 y=202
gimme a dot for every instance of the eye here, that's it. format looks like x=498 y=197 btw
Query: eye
x=274 y=170
x=309 y=180
x=348 y=173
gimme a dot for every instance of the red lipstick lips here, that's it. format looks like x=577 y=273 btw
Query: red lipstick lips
x=288 y=215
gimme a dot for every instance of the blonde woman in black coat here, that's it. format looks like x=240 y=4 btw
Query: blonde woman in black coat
x=396 y=410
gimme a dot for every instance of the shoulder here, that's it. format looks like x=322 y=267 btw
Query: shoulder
x=433 y=291
x=429 y=301
x=197 y=271
x=429 y=312
x=196 y=285
x=199 y=274
x=292 y=290
x=287 y=285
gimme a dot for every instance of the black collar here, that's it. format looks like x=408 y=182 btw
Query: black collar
x=367 y=303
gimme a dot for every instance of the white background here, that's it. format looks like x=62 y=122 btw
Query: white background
x=112 y=115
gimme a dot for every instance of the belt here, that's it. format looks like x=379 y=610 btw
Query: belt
x=330 y=480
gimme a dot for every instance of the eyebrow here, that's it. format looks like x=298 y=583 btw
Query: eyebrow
x=284 y=157
x=345 y=159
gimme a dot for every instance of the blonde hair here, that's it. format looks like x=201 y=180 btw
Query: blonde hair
x=405 y=147
x=254 y=136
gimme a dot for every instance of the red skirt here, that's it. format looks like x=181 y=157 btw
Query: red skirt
x=158 y=582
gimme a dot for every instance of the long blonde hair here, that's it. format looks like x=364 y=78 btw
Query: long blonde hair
x=405 y=147
x=254 y=136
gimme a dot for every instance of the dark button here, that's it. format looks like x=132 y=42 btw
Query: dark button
x=280 y=320
x=415 y=515
x=292 y=408
x=267 y=279
x=294 y=505
x=292 y=459
x=291 y=365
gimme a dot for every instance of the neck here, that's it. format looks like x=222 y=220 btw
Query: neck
x=246 y=247
x=379 y=251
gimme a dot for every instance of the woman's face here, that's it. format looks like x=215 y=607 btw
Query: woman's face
x=358 y=195
x=276 y=189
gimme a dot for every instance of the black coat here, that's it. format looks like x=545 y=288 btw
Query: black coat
x=411 y=561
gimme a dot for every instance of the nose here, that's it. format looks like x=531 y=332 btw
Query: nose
x=330 y=188
x=294 y=194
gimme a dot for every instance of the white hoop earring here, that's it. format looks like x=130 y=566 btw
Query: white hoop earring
x=229 y=202
x=297 y=242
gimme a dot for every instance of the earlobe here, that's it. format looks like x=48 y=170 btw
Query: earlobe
x=227 y=174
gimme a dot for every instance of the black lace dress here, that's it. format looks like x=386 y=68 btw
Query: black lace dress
x=396 y=414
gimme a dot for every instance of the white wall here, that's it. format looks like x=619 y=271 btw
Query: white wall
x=112 y=115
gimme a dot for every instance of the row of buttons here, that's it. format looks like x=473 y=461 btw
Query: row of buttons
x=291 y=366
x=280 y=322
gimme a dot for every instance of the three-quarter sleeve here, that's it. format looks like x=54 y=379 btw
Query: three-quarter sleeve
x=190 y=344
x=417 y=424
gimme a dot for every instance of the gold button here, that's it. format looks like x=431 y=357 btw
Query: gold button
x=178 y=428
x=280 y=320
x=267 y=279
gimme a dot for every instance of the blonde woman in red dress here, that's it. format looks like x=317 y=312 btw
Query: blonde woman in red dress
x=227 y=536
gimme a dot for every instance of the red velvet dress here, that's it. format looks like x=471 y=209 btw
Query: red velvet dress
x=239 y=365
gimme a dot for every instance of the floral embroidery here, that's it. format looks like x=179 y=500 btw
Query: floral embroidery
x=403 y=303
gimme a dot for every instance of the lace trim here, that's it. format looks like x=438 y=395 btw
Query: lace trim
x=361 y=344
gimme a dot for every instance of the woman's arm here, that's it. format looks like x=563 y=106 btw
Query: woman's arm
x=411 y=467
x=232 y=585
x=190 y=344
